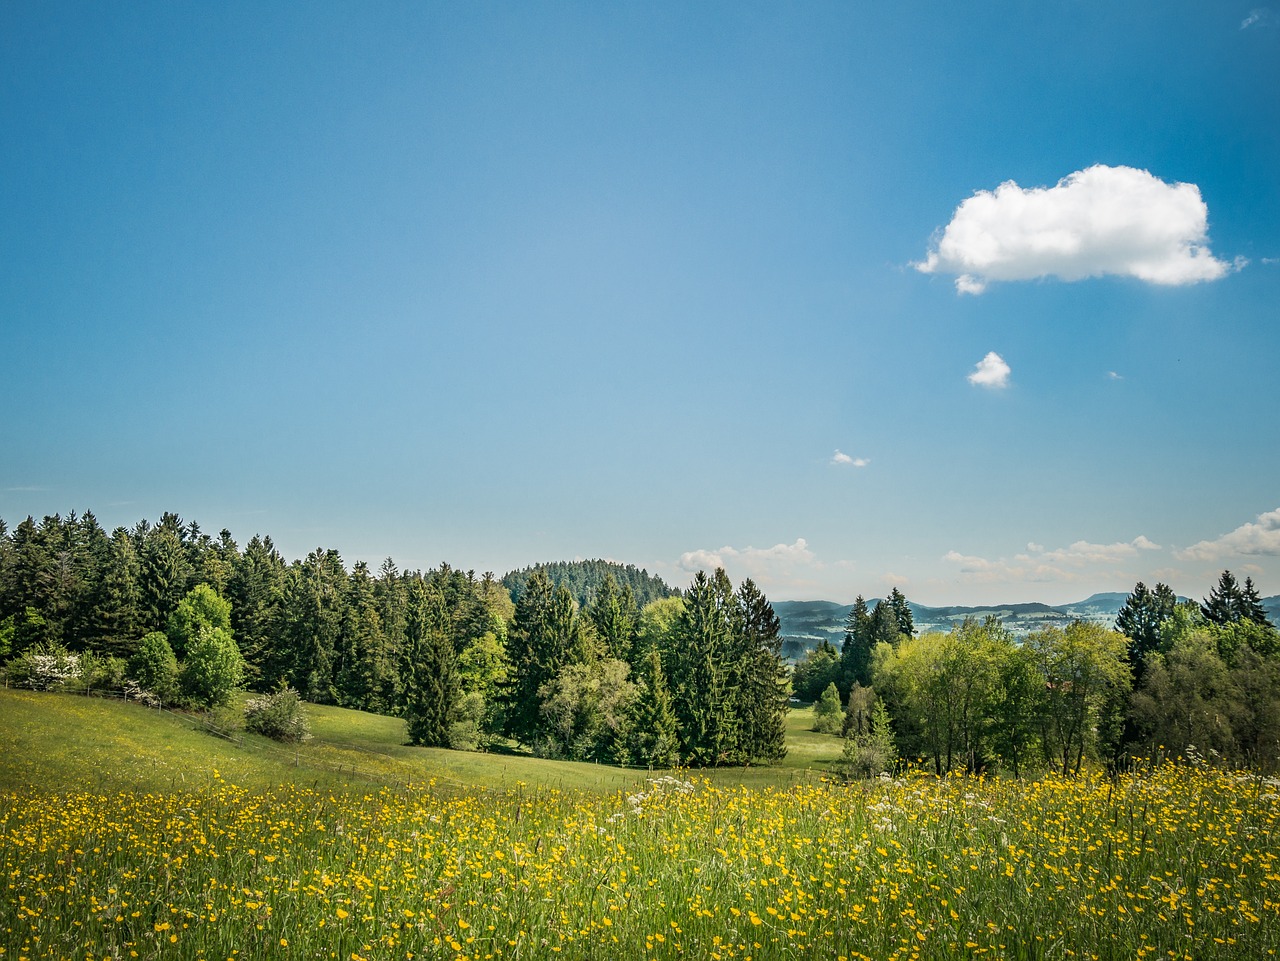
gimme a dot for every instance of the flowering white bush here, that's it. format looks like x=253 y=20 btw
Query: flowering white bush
x=45 y=668
x=279 y=716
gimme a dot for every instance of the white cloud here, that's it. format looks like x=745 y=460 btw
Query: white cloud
x=1070 y=563
x=990 y=372
x=1259 y=538
x=787 y=566
x=1258 y=16
x=1102 y=220
x=841 y=459
x=1112 y=375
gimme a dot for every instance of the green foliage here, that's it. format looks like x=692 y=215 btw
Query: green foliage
x=279 y=716
x=654 y=741
x=46 y=666
x=154 y=666
x=587 y=709
x=855 y=653
x=828 y=715
x=1083 y=667
x=869 y=754
x=212 y=669
x=817 y=669
x=201 y=608
x=545 y=636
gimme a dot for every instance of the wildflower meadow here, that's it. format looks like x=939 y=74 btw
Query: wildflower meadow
x=1176 y=862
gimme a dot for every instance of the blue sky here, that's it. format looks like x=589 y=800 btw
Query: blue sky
x=673 y=284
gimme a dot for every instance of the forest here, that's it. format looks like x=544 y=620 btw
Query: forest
x=604 y=662
x=167 y=611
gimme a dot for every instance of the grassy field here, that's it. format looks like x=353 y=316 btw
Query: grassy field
x=127 y=833
x=67 y=743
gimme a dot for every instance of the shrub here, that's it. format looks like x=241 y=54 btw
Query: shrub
x=212 y=670
x=45 y=667
x=828 y=715
x=154 y=667
x=279 y=716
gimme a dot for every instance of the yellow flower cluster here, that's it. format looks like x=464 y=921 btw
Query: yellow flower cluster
x=1176 y=863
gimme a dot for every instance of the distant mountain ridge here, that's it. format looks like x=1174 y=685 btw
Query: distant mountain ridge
x=806 y=624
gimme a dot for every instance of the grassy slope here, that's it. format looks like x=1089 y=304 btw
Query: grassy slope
x=62 y=742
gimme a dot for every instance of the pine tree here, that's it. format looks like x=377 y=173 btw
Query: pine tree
x=855 y=653
x=256 y=591
x=1141 y=619
x=703 y=695
x=312 y=621
x=1251 y=605
x=762 y=687
x=429 y=670
x=885 y=626
x=1225 y=603
x=654 y=739
x=165 y=574
x=545 y=636
x=117 y=612
x=614 y=615
x=902 y=613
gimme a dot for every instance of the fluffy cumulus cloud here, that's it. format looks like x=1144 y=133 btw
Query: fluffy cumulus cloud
x=841 y=459
x=1069 y=563
x=1102 y=220
x=990 y=372
x=1262 y=537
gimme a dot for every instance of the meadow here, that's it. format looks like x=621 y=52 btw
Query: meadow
x=125 y=833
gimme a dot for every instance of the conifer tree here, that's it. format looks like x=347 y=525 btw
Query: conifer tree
x=654 y=739
x=544 y=637
x=1140 y=620
x=165 y=573
x=855 y=653
x=1224 y=605
x=703 y=693
x=116 y=622
x=762 y=692
x=1251 y=605
x=429 y=670
x=902 y=613
x=256 y=591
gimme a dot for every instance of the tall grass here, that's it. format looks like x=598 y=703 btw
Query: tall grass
x=1180 y=862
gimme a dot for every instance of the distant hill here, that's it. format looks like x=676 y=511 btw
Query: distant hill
x=583 y=578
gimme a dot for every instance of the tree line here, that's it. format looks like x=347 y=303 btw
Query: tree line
x=1176 y=678
x=684 y=678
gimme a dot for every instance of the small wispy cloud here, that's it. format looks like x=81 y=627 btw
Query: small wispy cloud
x=24 y=490
x=1258 y=17
x=841 y=459
x=1102 y=220
x=991 y=372
x=1112 y=375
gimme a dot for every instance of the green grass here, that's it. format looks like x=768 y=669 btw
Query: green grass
x=126 y=832
x=63 y=742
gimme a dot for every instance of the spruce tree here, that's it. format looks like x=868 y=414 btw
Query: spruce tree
x=855 y=653
x=429 y=669
x=762 y=693
x=902 y=613
x=1141 y=619
x=117 y=612
x=545 y=636
x=654 y=739
x=1225 y=603
x=703 y=695
x=1251 y=605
